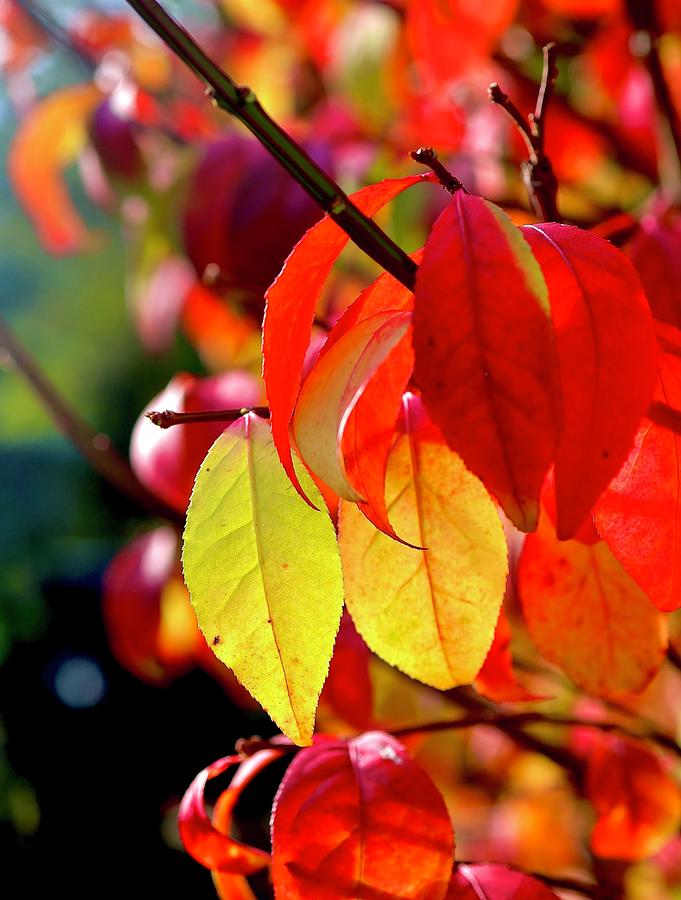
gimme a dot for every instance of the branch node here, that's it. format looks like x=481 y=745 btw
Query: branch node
x=427 y=156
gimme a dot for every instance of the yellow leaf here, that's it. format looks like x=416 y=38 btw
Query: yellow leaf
x=264 y=575
x=332 y=389
x=432 y=612
x=586 y=614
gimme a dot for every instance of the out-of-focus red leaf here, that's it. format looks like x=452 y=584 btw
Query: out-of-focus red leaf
x=639 y=515
x=209 y=843
x=447 y=37
x=583 y=9
x=493 y=881
x=359 y=819
x=347 y=689
x=656 y=254
x=332 y=388
x=150 y=624
x=496 y=680
x=49 y=139
x=601 y=323
x=167 y=460
x=587 y=616
x=158 y=299
x=484 y=356
x=290 y=306
x=222 y=338
x=637 y=801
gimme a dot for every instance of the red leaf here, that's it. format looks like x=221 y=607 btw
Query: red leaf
x=656 y=254
x=348 y=689
x=359 y=819
x=209 y=842
x=492 y=881
x=290 y=306
x=637 y=801
x=639 y=515
x=601 y=323
x=497 y=680
x=484 y=363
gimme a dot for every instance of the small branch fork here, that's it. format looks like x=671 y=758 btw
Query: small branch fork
x=538 y=175
x=426 y=156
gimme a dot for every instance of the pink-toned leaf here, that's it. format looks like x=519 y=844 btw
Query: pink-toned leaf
x=290 y=306
x=601 y=323
x=493 y=881
x=359 y=819
x=484 y=358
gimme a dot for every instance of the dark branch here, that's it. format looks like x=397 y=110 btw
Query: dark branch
x=242 y=103
x=167 y=418
x=428 y=157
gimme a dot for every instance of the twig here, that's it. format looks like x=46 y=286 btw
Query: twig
x=428 y=157
x=167 y=418
x=242 y=103
x=538 y=175
x=643 y=16
x=95 y=448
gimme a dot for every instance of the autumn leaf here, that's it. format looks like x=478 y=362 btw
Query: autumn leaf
x=48 y=140
x=290 y=306
x=587 y=616
x=637 y=801
x=655 y=252
x=264 y=575
x=359 y=819
x=493 y=881
x=348 y=690
x=210 y=842
x=601 y=323
x=484 y=358
x=497 y=680
x=429 y=612
x=333 y=387
x=639 y=515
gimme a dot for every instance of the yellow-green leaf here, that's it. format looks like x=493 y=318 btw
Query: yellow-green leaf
x=432 y=612
x=264 y=575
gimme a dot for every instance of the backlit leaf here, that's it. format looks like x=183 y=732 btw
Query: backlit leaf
x=333 y=387
x=359 y=819
x=48 y=140
x=655 y=252
x=291 y=304
x=637 y=801
x=587 y=616
x=496 y=680
x=601 y=323
x=210 y=843
x=264 y=576
x=484 y=356
x=639 y=515
x=493 y=881
x=429 y=612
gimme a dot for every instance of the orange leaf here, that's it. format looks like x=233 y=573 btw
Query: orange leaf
x=359 y=819
x=497 y=680
x=601 y=323
x=637 y=801
x=639 y=515
x=587 y=616
x=291 y=304
x=484 y=360
x=49 y=139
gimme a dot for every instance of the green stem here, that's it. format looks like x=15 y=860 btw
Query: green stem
x=242 y=103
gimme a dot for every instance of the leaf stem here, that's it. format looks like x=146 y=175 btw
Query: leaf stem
x=539 y=178
x=242 y=103
x=428 y=157
x=94 y=447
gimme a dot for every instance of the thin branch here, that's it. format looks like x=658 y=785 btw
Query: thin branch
x=539 y=178
x=94 y=447
x=242 y=103
x=167 y=418
x=427 y=156
x=643 y=16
